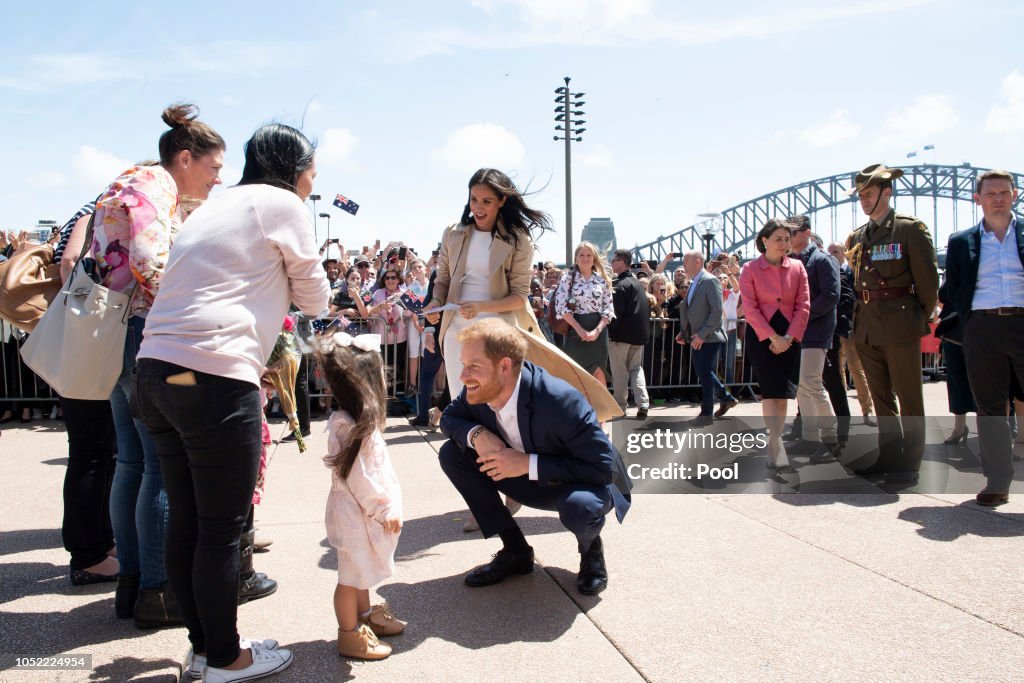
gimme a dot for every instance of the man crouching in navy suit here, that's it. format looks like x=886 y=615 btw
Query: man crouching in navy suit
x=517 y=430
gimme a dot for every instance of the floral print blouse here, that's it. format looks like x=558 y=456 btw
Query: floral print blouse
x=136 y=221
x=592 y=294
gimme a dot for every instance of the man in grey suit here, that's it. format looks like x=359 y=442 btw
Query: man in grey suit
x=700 y=326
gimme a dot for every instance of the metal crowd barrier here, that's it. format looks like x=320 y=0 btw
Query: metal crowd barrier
x=668 y=366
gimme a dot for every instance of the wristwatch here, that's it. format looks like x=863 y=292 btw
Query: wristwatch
x=472 y=437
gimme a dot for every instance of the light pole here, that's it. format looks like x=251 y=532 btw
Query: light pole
x=328 y=217
x=709 y=227
x=568 y=107
x=314 y=198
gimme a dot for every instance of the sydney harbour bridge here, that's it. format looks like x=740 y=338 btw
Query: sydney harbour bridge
x=942 y=196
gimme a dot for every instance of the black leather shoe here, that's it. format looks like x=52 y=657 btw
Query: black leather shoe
x=291 y=435
x=641 y=414
x=593 y=576
x=257 y=585
x=897 y=482
x=504 y=563
x=803 y=447
x=725 y=406
x=420 y=422
x=156 y=608
x=125 y=596
x=81 y=577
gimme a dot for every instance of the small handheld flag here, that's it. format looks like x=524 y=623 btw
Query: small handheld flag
x=928 y=147
x=345 y=204
x=911 y=155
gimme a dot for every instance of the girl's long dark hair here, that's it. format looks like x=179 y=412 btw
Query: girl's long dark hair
x=275 y=155
x=518 y=218
x=356 y=379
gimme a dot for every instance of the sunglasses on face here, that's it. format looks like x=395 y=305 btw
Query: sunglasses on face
x=362 y=265
x=390 y=277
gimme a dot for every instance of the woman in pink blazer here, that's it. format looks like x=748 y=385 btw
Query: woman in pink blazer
x=776 y=302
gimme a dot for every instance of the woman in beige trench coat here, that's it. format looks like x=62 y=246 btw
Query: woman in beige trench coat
x=484 y=266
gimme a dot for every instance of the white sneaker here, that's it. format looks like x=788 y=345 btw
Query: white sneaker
x=196 y=663
x=264 y=663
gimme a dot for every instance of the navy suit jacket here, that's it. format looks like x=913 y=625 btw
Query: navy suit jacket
x=557 y=424
x=963 y=255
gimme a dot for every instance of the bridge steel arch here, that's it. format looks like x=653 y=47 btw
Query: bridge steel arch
x=740 y=223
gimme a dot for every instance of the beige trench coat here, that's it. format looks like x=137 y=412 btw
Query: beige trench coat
x=510 y=267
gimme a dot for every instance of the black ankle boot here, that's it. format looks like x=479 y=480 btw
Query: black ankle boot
x=125 y=596
x=252 y=585
x=593 y=576
x=157 y=608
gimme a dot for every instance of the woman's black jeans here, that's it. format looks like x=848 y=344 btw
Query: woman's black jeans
x=92 y=455
x=207 y=434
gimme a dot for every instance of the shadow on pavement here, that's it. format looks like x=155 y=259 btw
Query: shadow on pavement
x=520 y=609
x=24 y=540
x=42 y=634
x=948 y=523
x=132 y=669
x=25 y=579
x=420 y=535
x=318 y=660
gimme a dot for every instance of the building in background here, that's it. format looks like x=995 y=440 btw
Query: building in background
x=601 y=233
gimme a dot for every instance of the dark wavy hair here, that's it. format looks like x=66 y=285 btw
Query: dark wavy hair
x=770 y=228
x=518 y=218
x=356 y=379
x=187 y=133
x=275 y=155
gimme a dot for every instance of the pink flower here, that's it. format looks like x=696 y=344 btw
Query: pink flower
x=289 y=324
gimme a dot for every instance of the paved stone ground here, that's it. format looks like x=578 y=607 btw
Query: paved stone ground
x=703 y=586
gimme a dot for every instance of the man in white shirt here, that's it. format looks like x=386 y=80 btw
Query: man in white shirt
x=985 y=283
x=517 y=430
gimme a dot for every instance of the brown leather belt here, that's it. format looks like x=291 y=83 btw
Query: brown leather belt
x=869 y=295
x=1004 y=311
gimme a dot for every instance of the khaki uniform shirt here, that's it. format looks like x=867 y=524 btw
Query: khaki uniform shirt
x=901 y=251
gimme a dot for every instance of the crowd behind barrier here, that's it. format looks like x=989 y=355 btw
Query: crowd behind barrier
x=667 y=367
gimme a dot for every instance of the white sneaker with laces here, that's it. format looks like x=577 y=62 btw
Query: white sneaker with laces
x=196 y=663
x=264 y=663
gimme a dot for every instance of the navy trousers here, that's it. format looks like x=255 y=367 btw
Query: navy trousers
x=705 y=362
x=581 y=507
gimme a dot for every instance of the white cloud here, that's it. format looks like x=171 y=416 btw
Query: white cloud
x=523 y=23
x=335 y=148
x=919 y=122
x=46 y=180
x=598 y=156
x=97 y=167
x=481 y=145
x=1007 y=117
x=836 y=130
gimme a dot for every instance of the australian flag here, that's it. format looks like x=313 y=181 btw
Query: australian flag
x=412 y=302
x=345 y=204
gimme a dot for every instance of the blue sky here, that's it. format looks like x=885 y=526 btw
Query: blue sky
x=691 y=107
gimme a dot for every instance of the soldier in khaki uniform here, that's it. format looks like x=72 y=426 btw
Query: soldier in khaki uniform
x=896 y=280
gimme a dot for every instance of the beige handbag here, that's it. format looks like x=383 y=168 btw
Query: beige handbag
x=77 y=347
x=29 y=280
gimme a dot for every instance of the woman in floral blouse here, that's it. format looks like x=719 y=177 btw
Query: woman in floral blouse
x=588 y=309
x=136 y=220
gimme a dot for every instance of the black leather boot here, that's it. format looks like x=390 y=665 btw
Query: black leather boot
x=593 y=576
x=125 y=596
x=252 y=585
x=157 y=608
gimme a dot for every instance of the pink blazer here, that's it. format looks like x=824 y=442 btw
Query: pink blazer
x=765 y=288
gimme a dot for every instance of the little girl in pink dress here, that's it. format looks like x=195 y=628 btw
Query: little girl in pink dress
x=364 y=508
